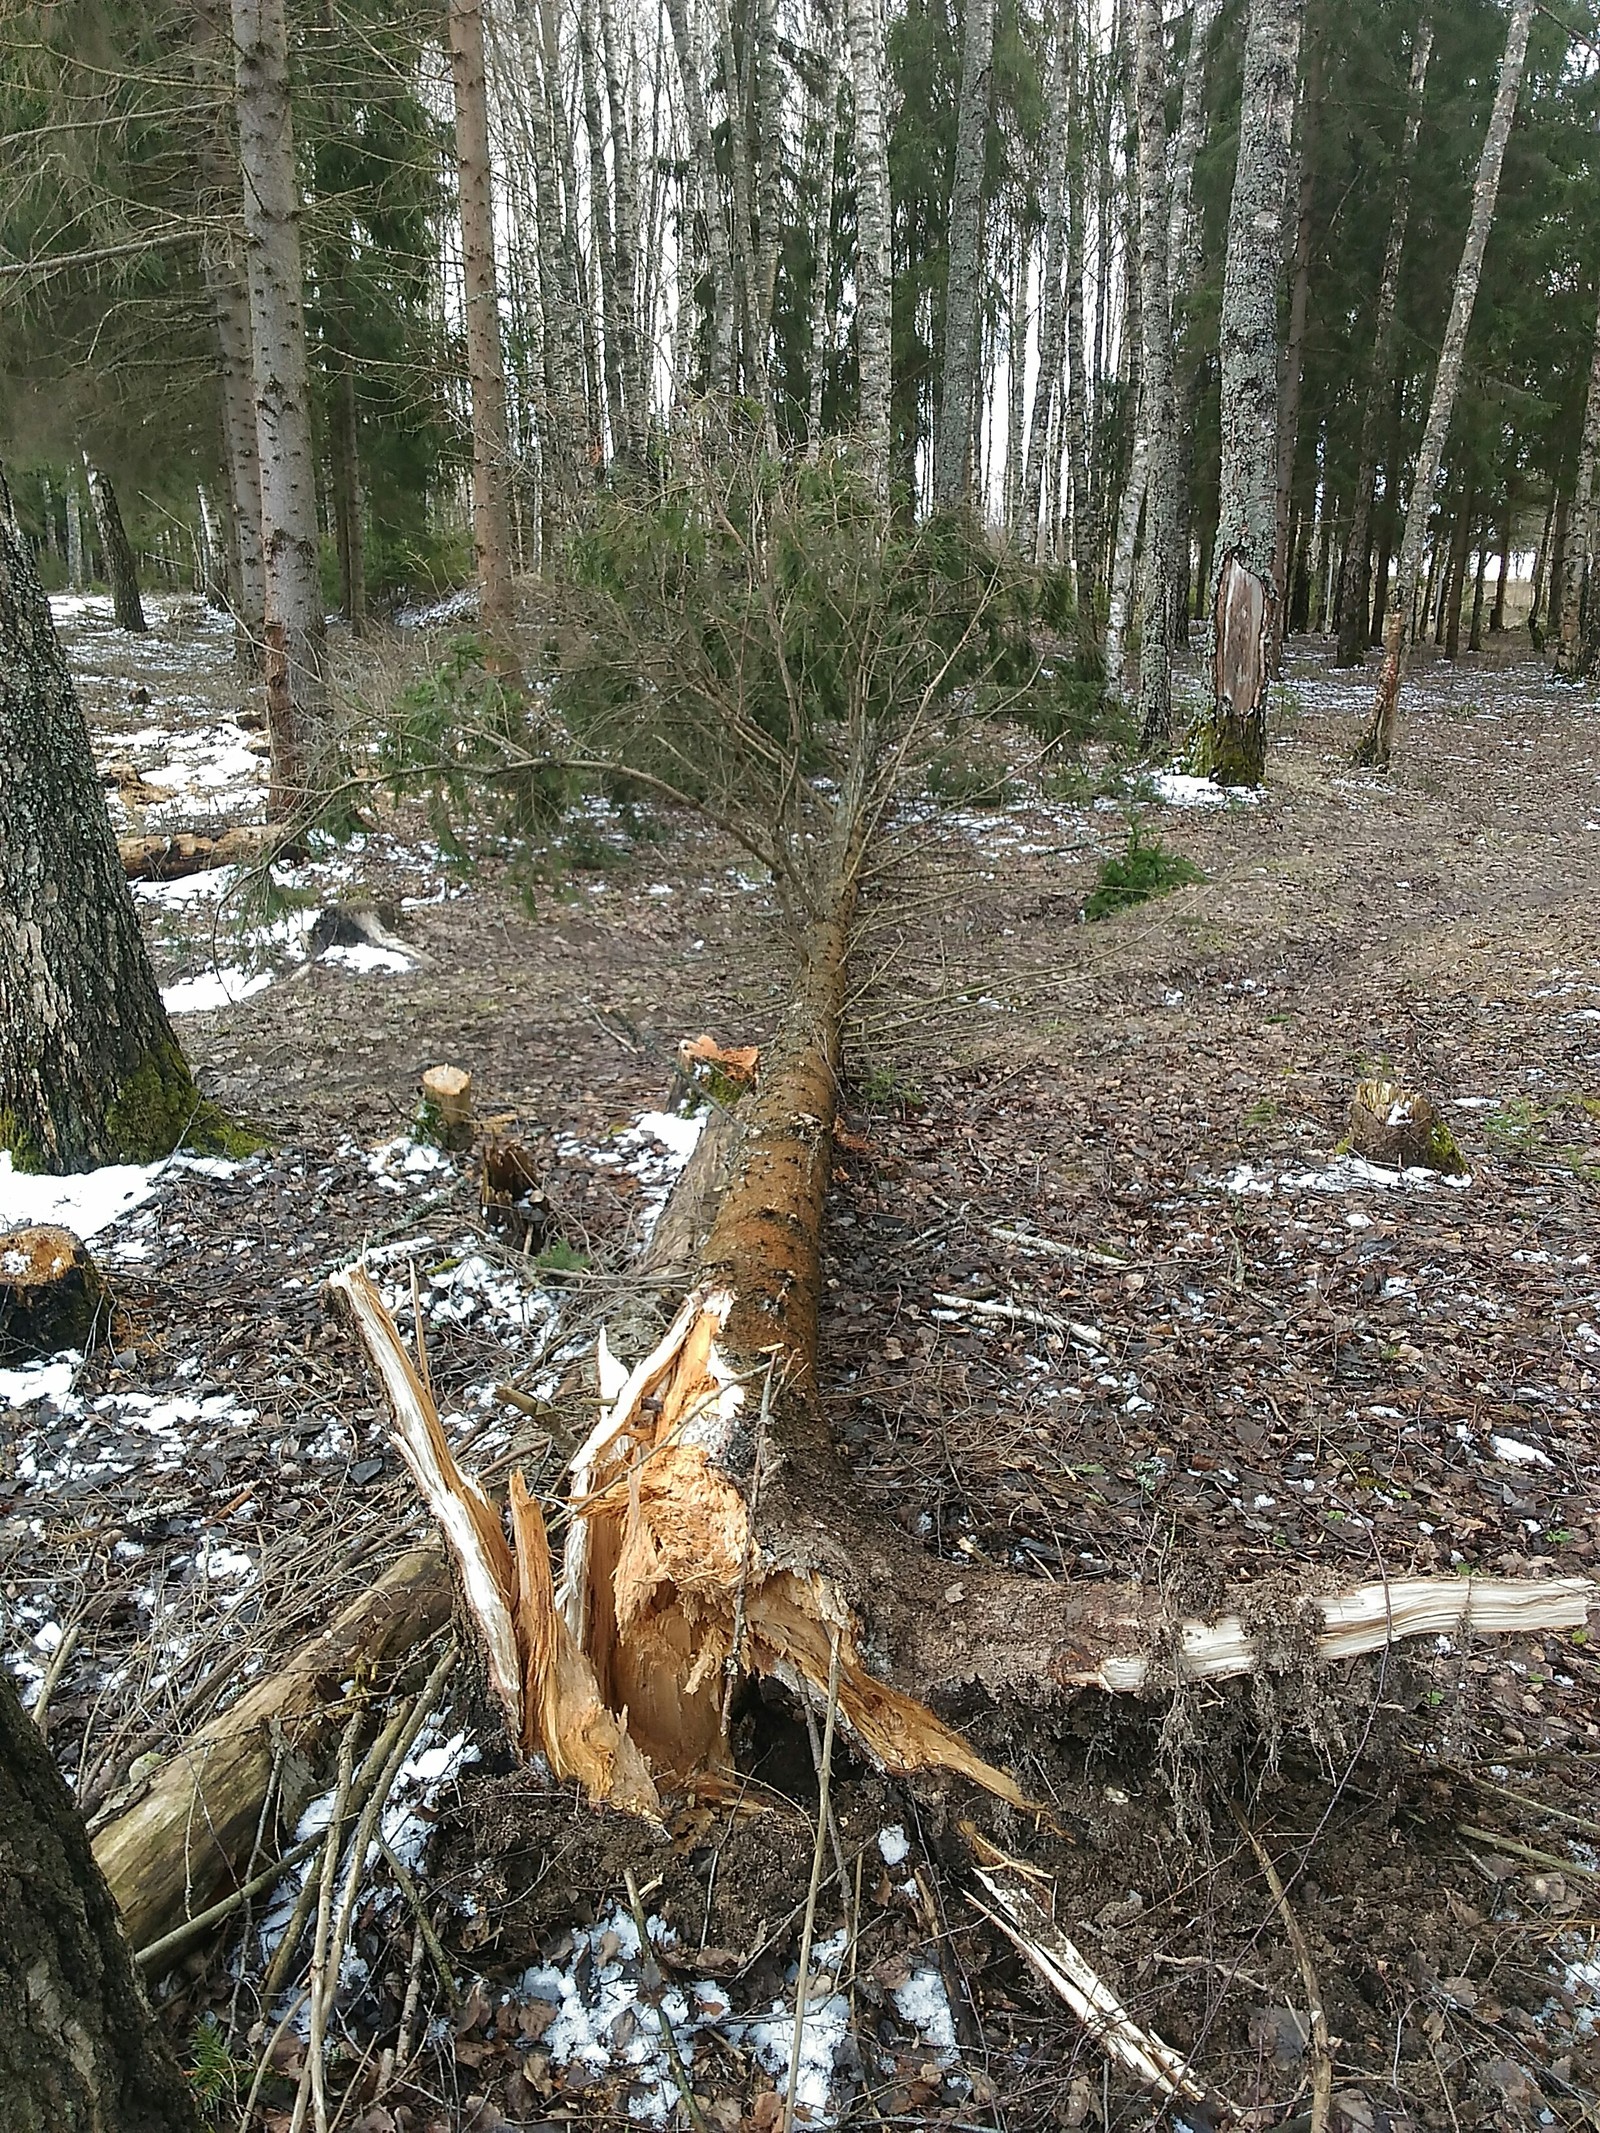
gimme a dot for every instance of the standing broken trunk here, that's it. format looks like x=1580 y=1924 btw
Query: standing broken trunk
x=1377 y=746
x=293 y=627
x=89 y=1070
x=79 y=2048
x=121 y=570
x=491 y=539
x=1229 y=743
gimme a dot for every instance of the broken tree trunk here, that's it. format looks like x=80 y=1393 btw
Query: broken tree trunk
x=195 y=1827
x=714 y=1533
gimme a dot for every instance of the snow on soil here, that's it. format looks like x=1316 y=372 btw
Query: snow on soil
x=95 y=1199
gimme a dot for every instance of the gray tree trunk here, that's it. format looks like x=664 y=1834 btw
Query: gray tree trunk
x=1052 y=295
x=75 y=576
x=1157 y=398
x=293 y=630
x=79 y=2048
x=89 y=1070
x=822 y=244
x=222 y=265
x=1294 y=340
x=491 y=535
x=705 y=156
x=1378 y=744
x=1569 y=655
x=602 y=226
x=952 y=446
x=121 y=570
x=635 y=379
x=1230 y=738
x=1351 y=618
x=874 y=272
x=1081 y=499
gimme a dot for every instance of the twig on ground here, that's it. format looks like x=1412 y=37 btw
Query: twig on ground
x=413 y=1896
x=1513 y=1850
x=395 y=2058
x=1321 y=2050
x=819 y=1853
x=265 y=2059
x=53 y=1672
x=312 y=2092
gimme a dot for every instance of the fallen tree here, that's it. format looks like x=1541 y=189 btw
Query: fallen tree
x=183 y=852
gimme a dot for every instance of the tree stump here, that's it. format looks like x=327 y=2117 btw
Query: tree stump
x=50 y=1293
x=1402 y=1130
x=447 y=1107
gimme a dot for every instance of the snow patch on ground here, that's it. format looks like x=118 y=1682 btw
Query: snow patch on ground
x=1345 y=1173
x=94 y=1199
x=1176 y=788
x=214 y=988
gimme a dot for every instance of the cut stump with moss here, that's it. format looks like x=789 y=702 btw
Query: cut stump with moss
x=1402 y=1130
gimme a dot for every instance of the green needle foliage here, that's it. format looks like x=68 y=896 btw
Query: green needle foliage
x=1147 y=868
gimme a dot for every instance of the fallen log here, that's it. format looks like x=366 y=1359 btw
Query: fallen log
x=190 y=1833
x=714 y=1532
x=188 y=852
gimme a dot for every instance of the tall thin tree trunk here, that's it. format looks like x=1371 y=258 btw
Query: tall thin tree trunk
x=753 y=349
x=223 y=267
x=634 y=340
x=486 y=378
x=1051 y=293
x=1569 y=657
x=75 y=573
x=1230 y=738
x=1157 y=400
x=349 y=533
x=293 y=629
x=1458 y=575
x=1555 y=576
x=705 y=156
x=1081 y=495
x=121 y=569
x=822 y=246
x=1351 y=620
x=1378 y=744
x=1497 y=614
x=874 y=271
x=951 y=453
x=1475 y=635
x=1294 y=340
x=602 y=226
x=1180 y=273
x=1016 y=369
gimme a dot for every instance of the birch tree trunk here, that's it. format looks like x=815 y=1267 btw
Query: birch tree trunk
x=74 y=538
x=1377 y=747
x=90 y=1072
x=1157 y=401
x=1294 y=340
x=822 y=245
x=1352 y=612
x=635 y=381
x=293 y=630
x=874 y=270
x=1051 y=294
x=1081 y=503
x=121 y=570
x=221 y=264
x=952 y=446
x=705 y=156
x=602 y=225
x=79 y=2048
x=1230 y=739
x=491 y=538
x=1569 y=657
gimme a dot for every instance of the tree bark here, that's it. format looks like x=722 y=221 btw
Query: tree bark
x=1455 y=589
x=822 y=247
x=90 y=1072
x=121 y=570
x=1230 y=738
x=491 y=537
x=705 y=156
x=1497 y=614
x=1569 y=656
x=1475 y=635
x=293 y=629
x=1157 y=399
x=1052 y=295
x=75 y=573
x=1377 y=747
x=221 y=264
x=635 y=377
x=349 y=536
x=602 y=226
x=1351 y=620
x=1294 y=340
x=874 y=269
x=79 y=2048
x=952 y=459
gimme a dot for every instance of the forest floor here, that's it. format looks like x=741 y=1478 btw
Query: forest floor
x=1104 y=1300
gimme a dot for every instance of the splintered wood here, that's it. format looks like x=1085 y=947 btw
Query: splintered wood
x=620 y=1676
